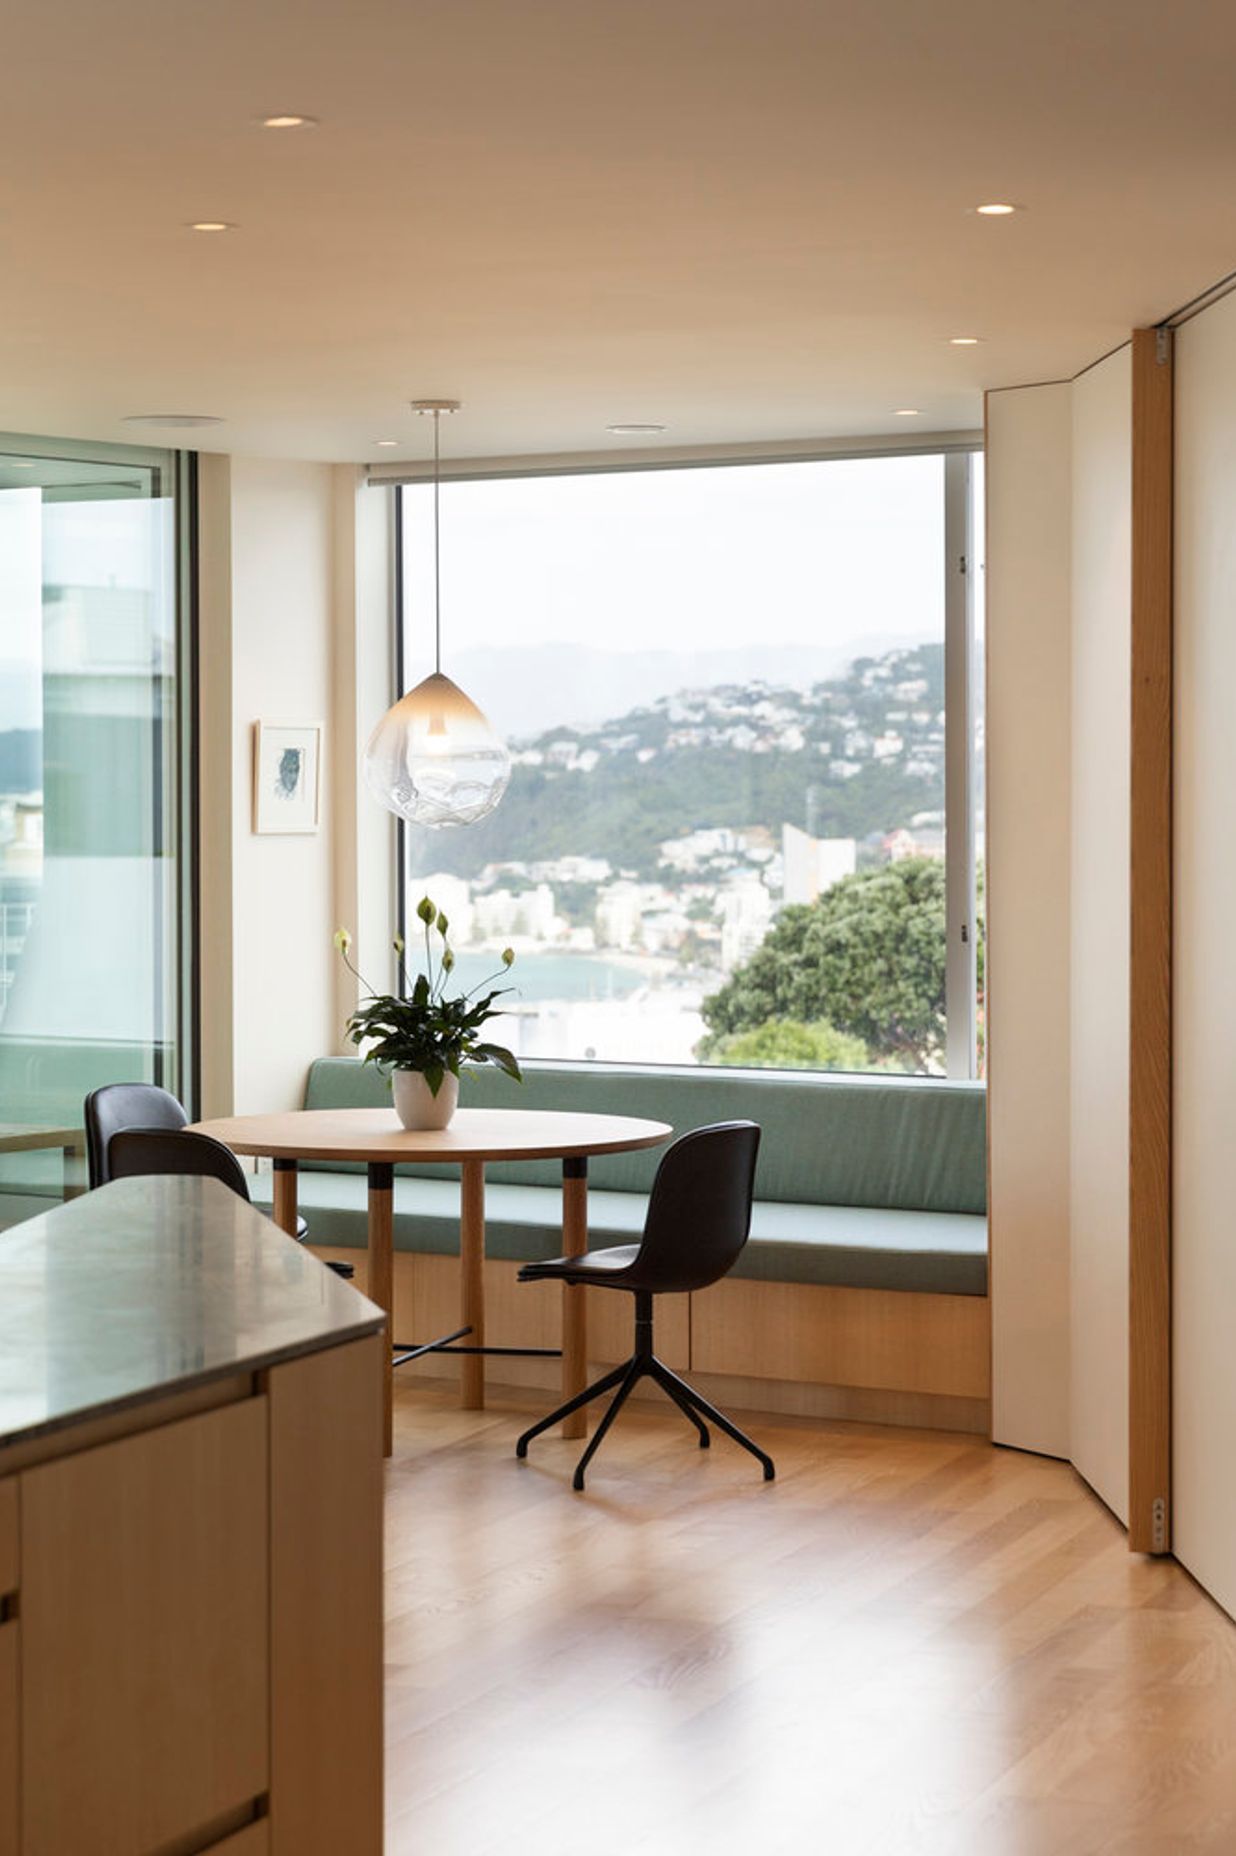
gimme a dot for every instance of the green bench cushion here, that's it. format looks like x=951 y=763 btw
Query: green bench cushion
x=889 y=1143
x=843 y=1246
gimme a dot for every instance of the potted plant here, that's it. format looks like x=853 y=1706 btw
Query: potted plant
x=421 y=1037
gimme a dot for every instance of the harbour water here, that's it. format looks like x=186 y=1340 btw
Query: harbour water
x=592 y=1006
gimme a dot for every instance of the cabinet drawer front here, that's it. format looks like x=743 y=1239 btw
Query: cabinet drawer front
x=144 y=1621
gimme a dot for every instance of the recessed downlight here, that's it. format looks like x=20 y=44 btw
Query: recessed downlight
x=385 y=444
x=998 y=209
x=635 y=430
x=182 y=420
x=289 y=119
x=905 y=412
x=211 y=225
x=18 y=463
x=964 y=341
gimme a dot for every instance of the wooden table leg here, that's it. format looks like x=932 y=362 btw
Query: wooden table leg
x=574 y=1306
x=381 y=1277
x=284 y=1207
x=472 y=1283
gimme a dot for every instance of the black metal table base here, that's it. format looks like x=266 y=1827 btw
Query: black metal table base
x=622 y=1381
x=447 y=1344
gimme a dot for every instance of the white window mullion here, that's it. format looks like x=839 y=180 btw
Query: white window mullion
x=960 y=974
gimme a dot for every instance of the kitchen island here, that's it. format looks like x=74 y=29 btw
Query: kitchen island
x=190 y=1535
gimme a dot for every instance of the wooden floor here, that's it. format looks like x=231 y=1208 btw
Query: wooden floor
x=909 y=1642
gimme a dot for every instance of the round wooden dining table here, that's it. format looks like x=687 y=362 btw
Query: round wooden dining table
x=375 y=1138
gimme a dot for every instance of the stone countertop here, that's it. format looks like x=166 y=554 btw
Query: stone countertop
x=152 y=1286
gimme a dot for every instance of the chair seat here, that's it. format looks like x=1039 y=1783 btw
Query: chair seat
x=845 y=1246
x=593 y=1268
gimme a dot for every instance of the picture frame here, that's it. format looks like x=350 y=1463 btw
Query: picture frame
x=287 y=777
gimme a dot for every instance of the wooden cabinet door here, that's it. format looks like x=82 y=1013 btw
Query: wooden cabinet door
x=144 y=1621
x=326 y=1604
x=9 y=1819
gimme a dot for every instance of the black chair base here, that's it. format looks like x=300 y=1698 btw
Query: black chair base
x=644 y=1364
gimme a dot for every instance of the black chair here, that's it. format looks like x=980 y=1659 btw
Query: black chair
x=137 y=1153
x=125 y=1108
x=124 y=1105
x=699 y=1215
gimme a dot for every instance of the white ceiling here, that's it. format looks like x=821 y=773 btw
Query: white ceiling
x=746 y=219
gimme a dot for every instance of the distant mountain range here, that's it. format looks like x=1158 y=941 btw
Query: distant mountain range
x=525 y=690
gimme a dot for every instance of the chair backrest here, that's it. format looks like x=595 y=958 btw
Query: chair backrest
x=124 y=1105
x=137 y=1152
x=699 y=1211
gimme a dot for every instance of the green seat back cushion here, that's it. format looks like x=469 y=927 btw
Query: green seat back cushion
x=890 y=1144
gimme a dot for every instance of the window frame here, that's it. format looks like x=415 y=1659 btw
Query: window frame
x=174 y=475
x=957 y=451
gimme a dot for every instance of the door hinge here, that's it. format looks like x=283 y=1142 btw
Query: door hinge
x=1158 y=1525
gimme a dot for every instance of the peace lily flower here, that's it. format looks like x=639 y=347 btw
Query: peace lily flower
x=420 y=1028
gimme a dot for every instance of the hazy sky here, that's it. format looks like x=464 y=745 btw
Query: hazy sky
x=637 y=561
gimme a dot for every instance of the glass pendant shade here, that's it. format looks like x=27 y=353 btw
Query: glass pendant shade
x=434 y=760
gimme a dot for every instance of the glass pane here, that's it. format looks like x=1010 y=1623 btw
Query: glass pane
x=88 y=949
x=723 y=839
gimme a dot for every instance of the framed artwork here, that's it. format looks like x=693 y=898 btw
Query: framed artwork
x=286 y=776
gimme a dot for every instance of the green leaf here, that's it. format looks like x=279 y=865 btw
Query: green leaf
x=498 y=1054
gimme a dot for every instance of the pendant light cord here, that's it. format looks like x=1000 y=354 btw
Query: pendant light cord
x=437 y=552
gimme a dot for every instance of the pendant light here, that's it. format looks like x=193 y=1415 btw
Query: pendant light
x=434 y=759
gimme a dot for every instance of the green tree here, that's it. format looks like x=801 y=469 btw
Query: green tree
x=867 y=958
x=783 y=1044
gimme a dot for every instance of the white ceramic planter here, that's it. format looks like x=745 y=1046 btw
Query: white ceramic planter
x=417 y=1107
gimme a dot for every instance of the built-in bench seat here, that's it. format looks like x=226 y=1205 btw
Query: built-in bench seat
x=864 y=1182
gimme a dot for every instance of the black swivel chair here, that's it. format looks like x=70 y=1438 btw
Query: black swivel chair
x=125 y=1105
x=118 y=1110
x=136 y=1153
x=699 y=1215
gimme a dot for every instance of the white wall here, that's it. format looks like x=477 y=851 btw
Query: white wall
x=1029 y=650
x=1204 y=1219
x=295 y=627
x=282 y=897
x=1102 y=442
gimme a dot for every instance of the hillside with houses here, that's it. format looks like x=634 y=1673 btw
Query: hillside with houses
x=678 y=831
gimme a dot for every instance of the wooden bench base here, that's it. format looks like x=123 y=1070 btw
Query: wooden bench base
x=871 y=1355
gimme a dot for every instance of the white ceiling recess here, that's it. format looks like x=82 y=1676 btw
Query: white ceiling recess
x=746 y=220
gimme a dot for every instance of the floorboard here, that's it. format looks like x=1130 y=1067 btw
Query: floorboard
x=910 y=1642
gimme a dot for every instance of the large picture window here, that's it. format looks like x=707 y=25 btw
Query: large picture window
x=743 y=709
x=92 y=714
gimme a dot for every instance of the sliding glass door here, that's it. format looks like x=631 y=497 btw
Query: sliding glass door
x=90 y=792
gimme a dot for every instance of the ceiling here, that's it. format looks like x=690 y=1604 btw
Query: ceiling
x=743 y=219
